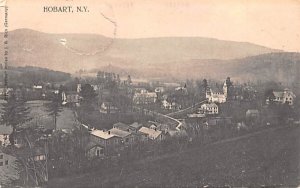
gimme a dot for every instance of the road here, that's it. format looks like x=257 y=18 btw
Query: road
x=187 y=110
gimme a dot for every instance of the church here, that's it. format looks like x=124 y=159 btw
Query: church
x=217 y=95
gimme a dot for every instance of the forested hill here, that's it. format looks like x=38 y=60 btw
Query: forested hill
x=33 y=75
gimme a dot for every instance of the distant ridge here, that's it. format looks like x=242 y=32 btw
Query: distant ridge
x=32 y=48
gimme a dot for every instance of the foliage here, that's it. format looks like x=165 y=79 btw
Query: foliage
x=15 y=112
x=54 y=107
x=88 y=93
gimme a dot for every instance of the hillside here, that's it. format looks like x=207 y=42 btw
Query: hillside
x=71 y=52
x=32 y=75
x=279 y=67
x=261 y=159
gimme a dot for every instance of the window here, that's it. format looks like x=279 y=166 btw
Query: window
x=127 y=140
x=97 y=152
x=6 y=162
x=1 y=163
x=1 y=156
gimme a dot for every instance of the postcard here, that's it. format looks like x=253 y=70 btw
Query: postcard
x=140 y=93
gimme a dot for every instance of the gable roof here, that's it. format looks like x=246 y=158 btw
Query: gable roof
x=92 y=144
x=135 y=125
x=119 y=133
x=153 y=134
x=121 y=126
x=278 y=94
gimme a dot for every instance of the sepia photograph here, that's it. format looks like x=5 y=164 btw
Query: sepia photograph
x=149 y=93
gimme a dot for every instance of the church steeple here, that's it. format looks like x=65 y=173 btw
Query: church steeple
x=225 y=89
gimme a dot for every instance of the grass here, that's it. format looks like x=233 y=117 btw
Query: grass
x=268 y=158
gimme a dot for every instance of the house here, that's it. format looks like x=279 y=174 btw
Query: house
x=105 y=139
x=181 y=90
x=170 y=105
x=252 y=113
x=217 y=95
x=108 y=108
x=121 y=126
x=159 y=90
x=144 y=97
x=152 y=134
x=71 y=98
x=94 y=150
x=134 y=127
x=210 y=108
x=5 y=132
x=8 y=169
x=125 y=136
x=38 y=154
x=283 y=97
x=37 y=87
x=140 y=90
x=5 y=92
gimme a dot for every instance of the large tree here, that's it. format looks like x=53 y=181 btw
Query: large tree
x=54 y=107
x=15 y=113
x=87 y=92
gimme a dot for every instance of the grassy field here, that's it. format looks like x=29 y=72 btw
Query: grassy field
x=270 y=157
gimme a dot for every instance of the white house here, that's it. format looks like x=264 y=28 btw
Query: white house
x=70 y=98
x=284 y=97
x=144 y=97
x=108 y=108
x=170 y=105
x=5 y=132
x=210 y=108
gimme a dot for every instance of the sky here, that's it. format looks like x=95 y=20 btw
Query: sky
x=271 y=23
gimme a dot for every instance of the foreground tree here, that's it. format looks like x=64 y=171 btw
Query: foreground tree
x=54 y=107
x=15 y=114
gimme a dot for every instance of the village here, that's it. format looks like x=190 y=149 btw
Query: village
x=51 y=130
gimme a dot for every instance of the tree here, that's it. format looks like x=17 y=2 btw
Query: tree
x=34 y=170
x=15 y=113
x=129 y=82
x=87 y=92
x=204 y=84
x=54 y=107
x=228 y=82
x=229 y=85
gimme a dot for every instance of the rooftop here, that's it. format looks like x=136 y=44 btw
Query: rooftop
x=119 y=133
x=121 y=126
x=153 y=134
x=102 y=134
x=135 y=125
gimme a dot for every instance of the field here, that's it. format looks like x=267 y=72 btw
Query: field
x=270 y=157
